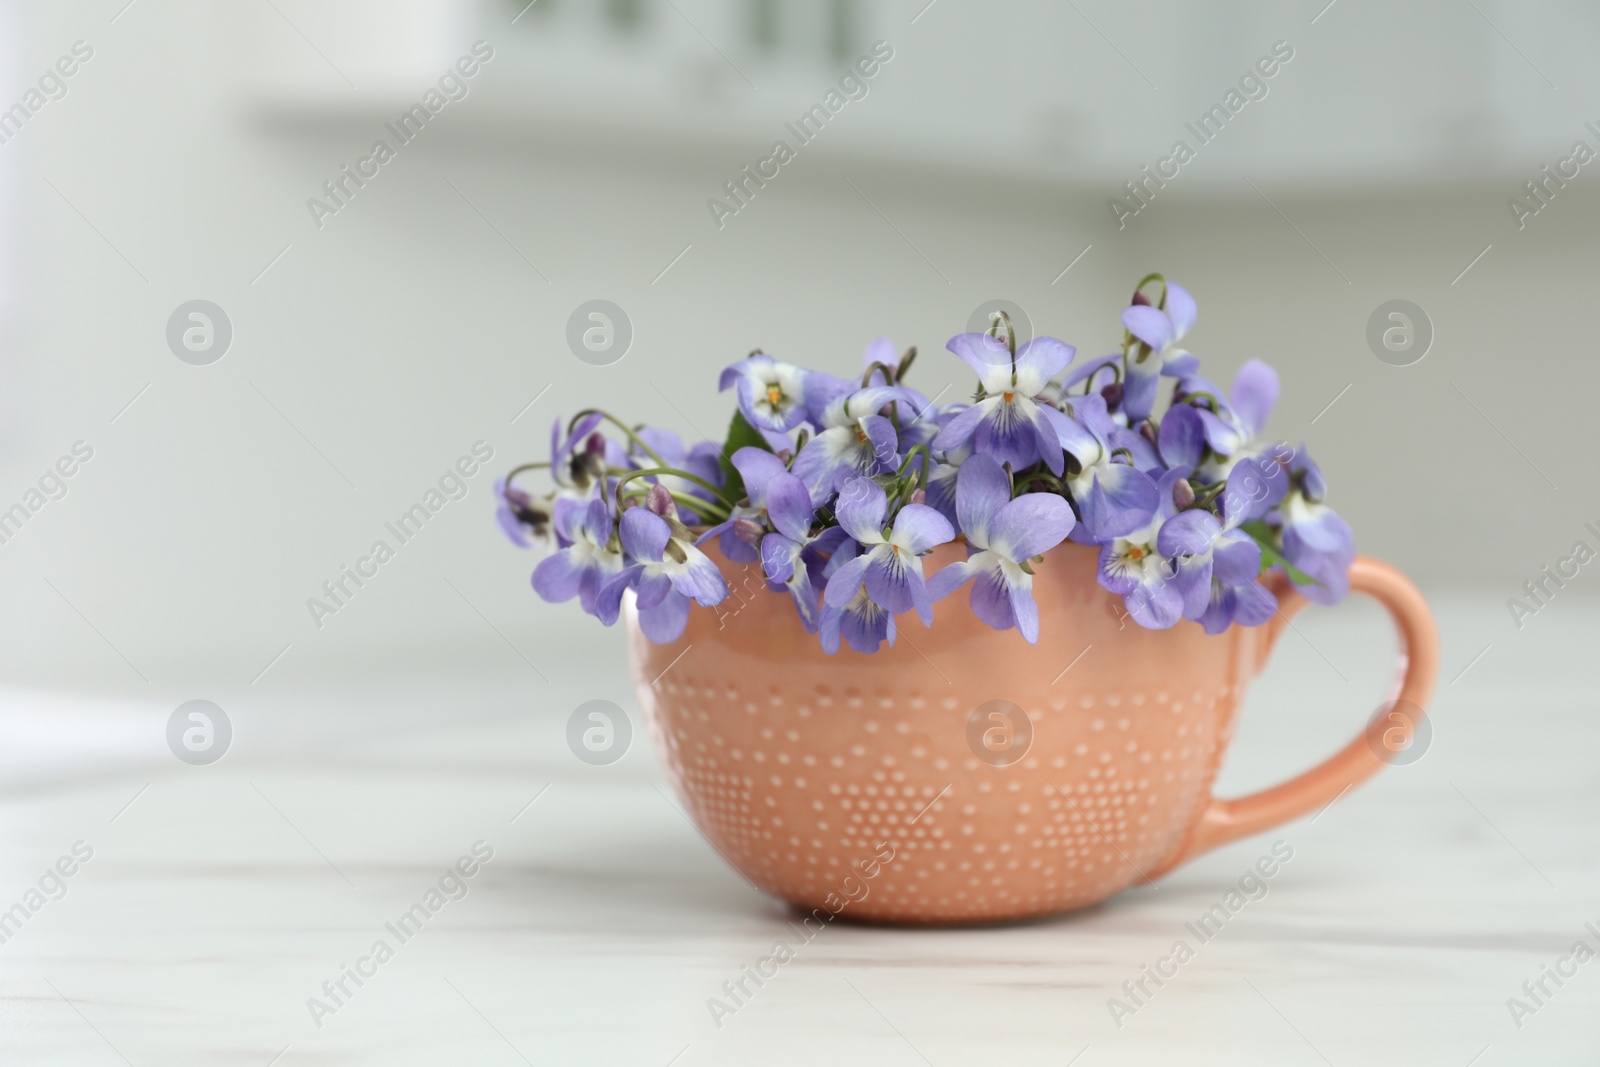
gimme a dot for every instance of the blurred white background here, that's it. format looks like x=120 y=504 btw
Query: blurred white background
x=371 y=351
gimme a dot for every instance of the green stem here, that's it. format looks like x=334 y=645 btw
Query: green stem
x=1206 y=496
x=635 y=438
x=911 y=455
x=910 y=485
x=525 y=467
x=648 y=471
x=694 y=503
x=1038 y=476
x=877 y=365
x=1154 y=276
x=628 y=472
x=1127 y=337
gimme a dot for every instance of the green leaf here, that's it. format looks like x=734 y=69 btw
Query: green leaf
x=1270 y=556
x=740 y=435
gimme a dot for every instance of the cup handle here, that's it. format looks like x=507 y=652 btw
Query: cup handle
x=1228 y=820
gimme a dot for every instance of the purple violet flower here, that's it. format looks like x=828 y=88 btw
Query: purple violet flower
x=1210 y=553
x=524 y=521
x=1002 y=536
x=586 y=564
x=890 y=567
x=1230 y=427
x=1161 y=330
x=1248 y=604
x=1006 y=422
x=739 y=535
x=772 y=395
x=667 y=572
x=572 y=468
x=1134 y=567
x=863 y=624
x=1315 y=538
x=940 y=489
x=1182 y=508
x=854 y=440
x=1114 y=498
x=788 y=507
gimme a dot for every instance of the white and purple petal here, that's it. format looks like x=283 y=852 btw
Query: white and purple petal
x=894 y=582
x=1007 y=432
x=882 y=444
x=1182 y=438
x=1193 y=582
x=1254 y=604
x=1254 y=394
x=788 y=506
x=960 y=429
x=1119 y=501
x=1150 y=325
x=868 y=628
x=608 y=600
x=1156 y=604
x=1073 y=436
x=1139 y=388
x=861 y=510
x=757 y=467
x=1236 y=558
x=663 y=622
x=918 y=528
x=1188 y=533
x=1030 y=525
x=697 y=577
x=1039 y=360
x=989 y=358
x=1180 y=309
x=557 y=577
x=644 y=534
x=982 y=489
x=778 y=557
x=991 y=599
x=846 y=582
x=953 y=577
x=1026 y=611
x=1046 y=442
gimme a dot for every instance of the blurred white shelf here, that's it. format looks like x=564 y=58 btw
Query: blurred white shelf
x=1057 y=93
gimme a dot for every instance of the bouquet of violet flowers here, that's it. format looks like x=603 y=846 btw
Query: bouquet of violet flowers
x=838 y=487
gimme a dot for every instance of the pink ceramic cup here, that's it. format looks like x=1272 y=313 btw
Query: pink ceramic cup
x=1005 y=779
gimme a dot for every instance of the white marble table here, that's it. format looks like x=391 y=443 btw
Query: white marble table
x=221 y=898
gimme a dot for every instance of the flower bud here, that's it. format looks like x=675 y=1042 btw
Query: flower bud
x=596 y=444
x=660 y=501
x=1140 y=300
x=919 y=496
x=749 y=531
x=1182 y=494
x=1113 y=394
x=528 y=512
x=586 y=468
